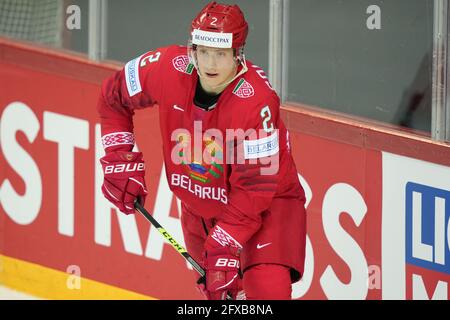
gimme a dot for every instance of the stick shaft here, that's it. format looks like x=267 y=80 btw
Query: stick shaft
x=170 y=239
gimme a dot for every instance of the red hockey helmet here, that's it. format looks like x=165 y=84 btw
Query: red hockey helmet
x=220 y=26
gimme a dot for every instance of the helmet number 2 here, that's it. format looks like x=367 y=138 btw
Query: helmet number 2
x=213 y=23
x=267 y=116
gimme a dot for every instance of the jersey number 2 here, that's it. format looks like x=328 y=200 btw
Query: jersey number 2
x=267 y=116
x=151 y=58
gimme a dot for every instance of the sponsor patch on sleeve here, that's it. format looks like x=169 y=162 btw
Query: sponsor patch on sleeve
x=260 y=148
x=132 y=76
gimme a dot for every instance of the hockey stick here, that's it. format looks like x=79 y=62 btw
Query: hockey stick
x=172 y=241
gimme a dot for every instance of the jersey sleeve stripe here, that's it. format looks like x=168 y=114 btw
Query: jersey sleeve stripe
x=117 y=138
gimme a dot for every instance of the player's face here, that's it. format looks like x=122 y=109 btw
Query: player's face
x=217 y=67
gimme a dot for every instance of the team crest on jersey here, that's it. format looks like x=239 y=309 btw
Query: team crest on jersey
x=182 y=64
x=244 y=89
x=209 y=167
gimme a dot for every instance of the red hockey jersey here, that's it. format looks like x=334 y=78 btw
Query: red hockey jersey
x=227 y=163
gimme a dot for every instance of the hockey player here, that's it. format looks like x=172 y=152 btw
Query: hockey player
x=243 y=214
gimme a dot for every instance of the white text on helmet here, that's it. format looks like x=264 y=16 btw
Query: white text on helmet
x=212 y=39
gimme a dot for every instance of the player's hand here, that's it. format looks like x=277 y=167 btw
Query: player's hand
x=124 y=179
x=222 y=273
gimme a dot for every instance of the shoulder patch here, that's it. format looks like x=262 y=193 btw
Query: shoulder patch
x=181 y=63
x=132 y=76
x=244 y=89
